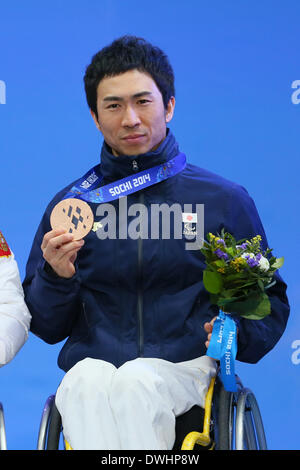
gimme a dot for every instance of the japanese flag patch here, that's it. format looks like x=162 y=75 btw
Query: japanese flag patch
x=189 y=217
x=4 y=248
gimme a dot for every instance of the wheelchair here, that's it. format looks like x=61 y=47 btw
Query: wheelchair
x=232 y=421
x=3 y=445
x=229 y=421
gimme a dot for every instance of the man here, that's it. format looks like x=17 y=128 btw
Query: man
x=132 y=306
x=14 y=314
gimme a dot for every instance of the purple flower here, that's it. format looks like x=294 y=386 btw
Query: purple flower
x=251 y=259
x=243 y=246
x=221 y=254
x=252 y=262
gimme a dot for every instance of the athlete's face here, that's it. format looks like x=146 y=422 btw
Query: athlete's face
x=131 y=113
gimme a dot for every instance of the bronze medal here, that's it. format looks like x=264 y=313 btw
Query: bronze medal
x=74 y=215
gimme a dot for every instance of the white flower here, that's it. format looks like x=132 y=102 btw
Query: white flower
x=263 y=264
x=248 y=255
x=256 y=260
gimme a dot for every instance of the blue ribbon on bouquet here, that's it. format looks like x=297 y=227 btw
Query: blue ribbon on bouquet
x=88 y=187
x=223 y=347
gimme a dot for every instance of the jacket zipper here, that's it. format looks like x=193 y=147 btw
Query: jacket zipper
x=140 y=311
x=140 y=299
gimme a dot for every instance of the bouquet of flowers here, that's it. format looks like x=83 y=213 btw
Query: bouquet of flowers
x=238 y=273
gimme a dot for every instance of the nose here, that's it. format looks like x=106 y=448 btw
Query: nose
x=130 y=117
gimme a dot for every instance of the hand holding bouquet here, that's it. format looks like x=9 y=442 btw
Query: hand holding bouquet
x=237 y=275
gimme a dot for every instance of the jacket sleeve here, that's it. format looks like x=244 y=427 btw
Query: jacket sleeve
x=52 y=300
x=257 y=337
x=14 y=314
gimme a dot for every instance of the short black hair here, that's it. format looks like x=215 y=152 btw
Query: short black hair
x=128 y=53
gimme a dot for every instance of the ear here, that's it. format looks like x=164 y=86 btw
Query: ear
x=170 y=109
x=95 y=120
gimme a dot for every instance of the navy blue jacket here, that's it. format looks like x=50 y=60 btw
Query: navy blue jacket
x=145 y=297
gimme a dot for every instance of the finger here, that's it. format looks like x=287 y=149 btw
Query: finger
x=73 y=257
x=69 y=258
x=68 y=248
x=60 y=240
x=208 y=327
x=54 y=255
x=58 y=246
x=64 y=267
x=52 y=234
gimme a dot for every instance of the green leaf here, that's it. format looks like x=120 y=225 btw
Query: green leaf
x=278 y=263
x=220 y=263
x=261 y=285
x=255 y=307
x=212 y=281
x=230 y=251
x=233 y=277
x=224 y=301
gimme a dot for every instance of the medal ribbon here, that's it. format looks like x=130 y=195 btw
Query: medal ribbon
x=223 y=347
x=88 y=187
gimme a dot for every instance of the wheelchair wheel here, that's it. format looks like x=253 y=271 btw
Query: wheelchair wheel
x=224 y=418
x=50 y=426
x=237 y=420
x=3 y=445
x=249 y=426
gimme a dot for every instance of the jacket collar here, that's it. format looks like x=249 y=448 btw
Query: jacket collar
x=113 y=168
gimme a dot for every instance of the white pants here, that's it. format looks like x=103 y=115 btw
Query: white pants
x=132 y=407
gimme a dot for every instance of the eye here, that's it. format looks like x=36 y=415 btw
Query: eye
x=144 y=101
x=112 y=106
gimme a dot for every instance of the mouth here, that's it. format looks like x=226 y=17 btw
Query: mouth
x=134 y=138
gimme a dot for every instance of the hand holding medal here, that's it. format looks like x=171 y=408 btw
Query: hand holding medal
x=71 y=220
